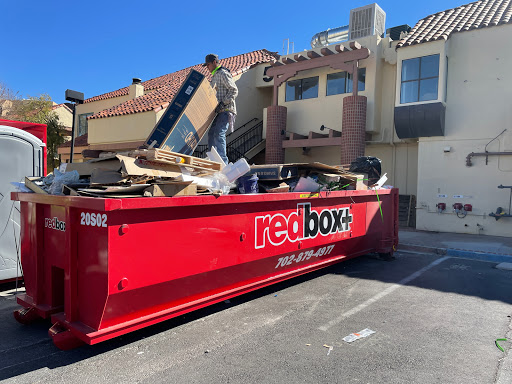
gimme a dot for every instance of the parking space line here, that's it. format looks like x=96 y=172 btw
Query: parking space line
x=382 y=294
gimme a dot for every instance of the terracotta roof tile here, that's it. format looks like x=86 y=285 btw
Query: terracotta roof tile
x=61 y=105
x=480 y=14
x=165 y=87
x=80 y=141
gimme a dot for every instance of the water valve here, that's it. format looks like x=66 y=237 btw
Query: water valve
x=441 y=207
x=457 y=207
x=468 y=207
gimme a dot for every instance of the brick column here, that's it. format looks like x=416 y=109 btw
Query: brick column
x=276 y=123
x=353 y=128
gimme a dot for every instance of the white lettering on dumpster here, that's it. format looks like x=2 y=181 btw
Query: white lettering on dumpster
x=55 y=224
x=303 y=224
x=93 y=219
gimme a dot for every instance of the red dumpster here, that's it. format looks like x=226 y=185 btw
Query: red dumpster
x=103 y=267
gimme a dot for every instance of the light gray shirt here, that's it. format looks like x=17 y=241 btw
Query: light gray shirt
x=226 y=89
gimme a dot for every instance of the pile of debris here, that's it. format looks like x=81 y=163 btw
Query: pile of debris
x=158 y=173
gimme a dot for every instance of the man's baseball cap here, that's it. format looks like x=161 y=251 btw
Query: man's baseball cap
x=210 y=58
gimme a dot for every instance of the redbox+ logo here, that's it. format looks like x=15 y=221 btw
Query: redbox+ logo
x=55 y=224
x=303 y=224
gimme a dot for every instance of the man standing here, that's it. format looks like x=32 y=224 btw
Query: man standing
x=226 y=90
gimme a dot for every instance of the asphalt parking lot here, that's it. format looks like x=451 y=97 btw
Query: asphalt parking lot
x=435 y=319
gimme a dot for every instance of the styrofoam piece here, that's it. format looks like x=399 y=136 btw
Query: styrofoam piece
x=201 y=181
x=234 y=171
x=307 y=185
x=213 y=155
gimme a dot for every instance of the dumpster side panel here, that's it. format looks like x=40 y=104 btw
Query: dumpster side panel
x=29 y=244
x=91 y=265
x=170 y=256
x=118 y=265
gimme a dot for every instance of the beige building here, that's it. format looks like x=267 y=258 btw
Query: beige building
x=438 y=115
x=472 y=91
x=436 y=109
x=124 y=118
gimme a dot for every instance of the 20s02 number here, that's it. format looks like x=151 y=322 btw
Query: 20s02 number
x=93 y=219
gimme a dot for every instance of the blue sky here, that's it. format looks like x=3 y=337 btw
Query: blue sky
x=99 y=46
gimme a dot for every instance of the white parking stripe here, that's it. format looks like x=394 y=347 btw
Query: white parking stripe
x=11 y=292
x=380 y=295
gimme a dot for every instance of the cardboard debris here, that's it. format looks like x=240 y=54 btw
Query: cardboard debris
x=86 y=169
x=171 y=189
x=116 y=190
x=187 y=117
x=274 y=171
x=163 y=173
x=281 y=188
x=140 y=167
x=106 y=176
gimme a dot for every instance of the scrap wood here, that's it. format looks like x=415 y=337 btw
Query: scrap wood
x=177 y=158
x=144 y=179
x=35 y=184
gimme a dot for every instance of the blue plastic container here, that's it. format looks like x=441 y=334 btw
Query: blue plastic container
x=248 y=184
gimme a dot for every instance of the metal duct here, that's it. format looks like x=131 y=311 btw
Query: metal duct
x=330 y=36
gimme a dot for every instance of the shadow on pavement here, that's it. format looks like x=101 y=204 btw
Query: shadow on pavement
x=26 y=348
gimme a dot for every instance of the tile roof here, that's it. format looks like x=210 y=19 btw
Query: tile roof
x=64 y=105
x=480 y=14
x=165 y=87
x=80 y=141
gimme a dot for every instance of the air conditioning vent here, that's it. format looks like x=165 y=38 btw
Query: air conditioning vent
x=367 y=21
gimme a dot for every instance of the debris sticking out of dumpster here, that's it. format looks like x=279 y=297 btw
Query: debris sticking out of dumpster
x=161 y=173
x=187 y=118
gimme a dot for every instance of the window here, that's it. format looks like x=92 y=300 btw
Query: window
x=82 y=124
x=341 y=82
x=302 y=89
x=420 y=77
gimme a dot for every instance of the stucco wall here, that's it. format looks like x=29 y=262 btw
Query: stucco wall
x=308 y=115
x=251 y=100
x=120 y=129
x=65 y=116
x=478 y=108
x=97 y=106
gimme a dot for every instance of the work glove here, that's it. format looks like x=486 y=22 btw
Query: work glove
x=220 y=108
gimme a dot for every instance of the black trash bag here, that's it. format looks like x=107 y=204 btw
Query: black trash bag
x=369 y=165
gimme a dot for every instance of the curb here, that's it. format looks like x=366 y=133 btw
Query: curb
x=465 y=254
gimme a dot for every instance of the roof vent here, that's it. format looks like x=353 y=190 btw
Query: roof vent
x=136 y=80
x=330 y=36
x=395 y=32
x=366 y=21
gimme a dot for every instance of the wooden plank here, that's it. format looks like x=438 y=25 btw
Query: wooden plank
x=30 y=184
x=195 y=167
x=178 y=158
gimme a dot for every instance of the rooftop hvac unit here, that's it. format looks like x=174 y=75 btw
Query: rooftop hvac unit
x=367 y=21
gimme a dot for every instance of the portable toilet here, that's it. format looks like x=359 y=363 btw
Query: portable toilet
x=21 y=154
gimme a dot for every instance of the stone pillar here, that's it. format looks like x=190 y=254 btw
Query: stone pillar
x=353 y=128
x=276 y=123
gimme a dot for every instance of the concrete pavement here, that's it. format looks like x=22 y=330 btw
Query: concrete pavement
x=477 y=247
x=436 y=319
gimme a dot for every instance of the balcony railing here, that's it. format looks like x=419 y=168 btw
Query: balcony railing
x=239 y=146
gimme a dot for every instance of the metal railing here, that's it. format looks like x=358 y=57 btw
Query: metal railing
x=248 y=140
x=239 y=146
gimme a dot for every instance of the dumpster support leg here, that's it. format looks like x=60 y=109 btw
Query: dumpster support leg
x=63 y=338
